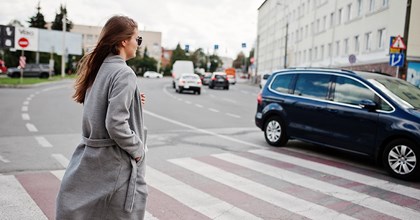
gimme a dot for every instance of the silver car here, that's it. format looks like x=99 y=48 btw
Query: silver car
x=40 y=70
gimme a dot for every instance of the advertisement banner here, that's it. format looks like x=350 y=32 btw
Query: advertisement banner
x=26 y=38
x=413 y=73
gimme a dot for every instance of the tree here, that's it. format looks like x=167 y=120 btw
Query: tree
x=178 y=54
x=215 y=63
x=239 y=61
x=38 y=21
x=57 y=24
x=199 y=58
x=15 y=23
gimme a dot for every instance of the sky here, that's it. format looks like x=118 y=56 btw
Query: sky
x=198 y=23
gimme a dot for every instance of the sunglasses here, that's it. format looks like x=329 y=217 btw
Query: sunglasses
x=139 y=40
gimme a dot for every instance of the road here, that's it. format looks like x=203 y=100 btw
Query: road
x=206 y=160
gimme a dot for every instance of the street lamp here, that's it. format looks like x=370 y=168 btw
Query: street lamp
x=64 y=46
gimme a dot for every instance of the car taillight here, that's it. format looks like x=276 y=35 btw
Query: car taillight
x=199 y=82
x=214 y=78
x=259 y=98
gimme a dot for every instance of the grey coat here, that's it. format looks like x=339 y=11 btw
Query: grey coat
x=103 y=181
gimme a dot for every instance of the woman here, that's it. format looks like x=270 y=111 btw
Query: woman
x=105 y=176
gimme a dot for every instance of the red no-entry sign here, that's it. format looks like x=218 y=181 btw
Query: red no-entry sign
x=23 y=42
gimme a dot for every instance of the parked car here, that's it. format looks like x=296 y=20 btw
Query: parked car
x=40 y=70
x=3 y=67
x=368 y=114
x=263 y=80
x=152 y=74
x=188 y=81
x=219 y=79
x=206 y=78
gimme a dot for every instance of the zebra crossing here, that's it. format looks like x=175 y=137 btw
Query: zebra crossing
x=256 y=184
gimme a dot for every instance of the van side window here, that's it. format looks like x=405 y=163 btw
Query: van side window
x=281 y=83
x=312 y=85
x=350 y=91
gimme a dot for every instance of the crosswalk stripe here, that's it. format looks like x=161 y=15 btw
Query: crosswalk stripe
x=324 y=187
x=296 y=205
x=15 y=202
x=195 y=199
x=345 y=174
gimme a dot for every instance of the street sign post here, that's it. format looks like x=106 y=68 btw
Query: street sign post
x=396 y=55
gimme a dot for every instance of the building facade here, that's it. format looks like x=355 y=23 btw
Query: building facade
x=152 y=40
x=333 y=33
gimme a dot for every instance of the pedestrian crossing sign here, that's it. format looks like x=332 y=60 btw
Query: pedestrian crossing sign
x=398 y=43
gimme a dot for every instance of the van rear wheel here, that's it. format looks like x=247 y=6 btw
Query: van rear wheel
x=275 y=132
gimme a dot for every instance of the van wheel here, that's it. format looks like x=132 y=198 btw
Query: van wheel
x=400 y=159
x=275 y=132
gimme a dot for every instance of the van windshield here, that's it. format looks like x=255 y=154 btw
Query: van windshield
x=400 y=91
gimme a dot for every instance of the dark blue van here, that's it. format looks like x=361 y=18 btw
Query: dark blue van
x=365 y=113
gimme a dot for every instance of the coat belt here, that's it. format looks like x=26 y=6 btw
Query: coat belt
x=129 y=199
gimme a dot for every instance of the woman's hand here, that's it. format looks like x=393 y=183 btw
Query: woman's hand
x=142 y=98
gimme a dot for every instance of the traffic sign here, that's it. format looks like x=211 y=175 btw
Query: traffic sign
x=23 y=42
x=187 y=48
x=396 y=59
x=398 y=43
x=352 y=58
x=243 y=45
x=216 y=46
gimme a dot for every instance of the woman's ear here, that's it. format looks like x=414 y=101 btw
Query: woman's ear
x=123 y=43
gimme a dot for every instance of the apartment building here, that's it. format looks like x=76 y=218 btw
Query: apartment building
x=326 y=33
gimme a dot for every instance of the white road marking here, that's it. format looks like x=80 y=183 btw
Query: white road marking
x=61 y=159
x=58 y=173
x=149 y=216
x=26 y=103
x=43 y=141
x=213 y=110
x=233 y=115
x=195 y=199
x=257 y=190
x=25 y=117
x=324 y=187
x=16 y=202
x=25 y=108
x=367 y=180
x=198 y=105
x=188 y=102
x=31 y=127
x=4 y=160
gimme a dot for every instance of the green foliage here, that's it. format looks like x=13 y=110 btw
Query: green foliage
x=57 y=24
x=38 y=21
x=178 y=54
x=215 y=63
x=199 y=58
x=141 y=64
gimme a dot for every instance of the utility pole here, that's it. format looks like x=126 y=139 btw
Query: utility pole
x=64 y=46
x=405 y=37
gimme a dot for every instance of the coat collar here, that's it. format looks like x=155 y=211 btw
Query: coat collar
x=111 y=58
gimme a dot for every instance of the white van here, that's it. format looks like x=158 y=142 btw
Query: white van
x=180 y=67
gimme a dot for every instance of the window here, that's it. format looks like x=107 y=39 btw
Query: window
x=371 y=5
x=322 y=52
x=356 y=44
x=281 y=83
x=381 y=38
x=337 y=48
x=316 y=53
x=351 y=92
x=330 y=50
x=359 y=7
x=349 y=6
x=346 y=46
x=324 y=23
x=368 y=39
x=339 y=16
x=310 y=54
x=312 y=85
x=385 y=3
x=332 y=19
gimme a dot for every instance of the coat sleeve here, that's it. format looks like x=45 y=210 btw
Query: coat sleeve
x=120 y=98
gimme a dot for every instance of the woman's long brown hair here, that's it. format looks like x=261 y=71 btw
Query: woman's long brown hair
x=116 y=30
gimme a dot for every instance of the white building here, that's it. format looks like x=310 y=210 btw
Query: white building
x=151 y=40
x=324 y=33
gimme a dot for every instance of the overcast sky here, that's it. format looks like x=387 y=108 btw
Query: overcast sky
x=198 y=23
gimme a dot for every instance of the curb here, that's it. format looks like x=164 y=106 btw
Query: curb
x=17 y=86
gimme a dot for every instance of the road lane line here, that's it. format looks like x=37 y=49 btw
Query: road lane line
x=25 y=103
x=233 y=115
x=43 y=141
x=25 y=117
x=4 y=160
x=345 y=174
x=202 y=130
x=198 y=105
x=25 y=108
x=58 y=173
x=278 y=198
x=195 y=199
x=61 y=159
x=355 y=197
x=31 y=127
x=213 y=110
x=188 y=102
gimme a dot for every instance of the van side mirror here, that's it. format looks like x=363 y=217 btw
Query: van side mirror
x=368 y=104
